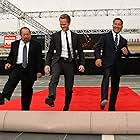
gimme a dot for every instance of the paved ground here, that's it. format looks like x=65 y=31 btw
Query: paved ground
x=133 y=81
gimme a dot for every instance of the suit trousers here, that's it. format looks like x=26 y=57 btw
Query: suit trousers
x=110 y=71
x=62 y=67
x=18 y=73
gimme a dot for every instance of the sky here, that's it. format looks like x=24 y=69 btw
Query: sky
x=77 y=23
x=44 y=5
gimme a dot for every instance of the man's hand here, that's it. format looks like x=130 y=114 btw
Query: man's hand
x=81 y=68
x=47 y=70
x=98 y=62
x=7 y=66
x=39 y=75
x=124 y=50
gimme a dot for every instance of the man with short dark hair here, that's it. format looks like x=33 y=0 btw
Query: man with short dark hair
x=24 y=62
x=113 y=46
x=61 y=58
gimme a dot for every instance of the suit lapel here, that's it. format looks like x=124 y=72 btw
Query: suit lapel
x=16 y=50
x=120 y=42
x=59 y=39
x=30 y=49
x=111 y=37
x=72 y=40
x=121 y=39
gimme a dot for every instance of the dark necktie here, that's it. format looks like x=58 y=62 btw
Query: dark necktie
x=116 y=41
x=68 y=47
x=24 y=64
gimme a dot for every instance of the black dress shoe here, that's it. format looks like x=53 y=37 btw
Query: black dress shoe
x=66 y=108
x=1 y=99
x=50 y=102
x=112 y=109
x=103 y=103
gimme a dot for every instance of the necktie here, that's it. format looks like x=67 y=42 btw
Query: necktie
x=116 y=41
x=24 y=64
x=68 y=47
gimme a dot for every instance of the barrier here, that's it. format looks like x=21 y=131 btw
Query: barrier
x=73 y=122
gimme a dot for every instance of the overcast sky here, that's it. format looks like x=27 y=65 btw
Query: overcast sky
x=39 y=5
x=77 y=23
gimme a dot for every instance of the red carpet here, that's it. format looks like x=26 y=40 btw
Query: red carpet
x=84 y=99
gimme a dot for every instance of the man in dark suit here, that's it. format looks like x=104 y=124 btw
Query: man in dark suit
x=61 y=58
x=24 y=62
x=113 y=46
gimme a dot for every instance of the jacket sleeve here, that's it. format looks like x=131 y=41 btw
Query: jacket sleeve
x=50 y=52
x=80 y=52
x=126 y=45
x=98 y=47
x=10 y=57
x=39 y=58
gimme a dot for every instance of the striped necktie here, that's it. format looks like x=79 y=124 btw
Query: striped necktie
x=116 y=41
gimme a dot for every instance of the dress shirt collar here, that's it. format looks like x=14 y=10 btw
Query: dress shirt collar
x=23 y=43
x=68 y=31
x=114 y=34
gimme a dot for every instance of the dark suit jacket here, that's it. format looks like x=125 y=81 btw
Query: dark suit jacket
x=34 y=57
x=109 y=55
x=55 y=45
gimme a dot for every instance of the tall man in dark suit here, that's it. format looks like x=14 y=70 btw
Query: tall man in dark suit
x=24 y=62
x=61 y=57
x=113 y=46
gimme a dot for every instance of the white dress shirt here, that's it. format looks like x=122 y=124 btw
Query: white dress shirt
x=20 y=52
x=114 y=35
x=64 y=52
